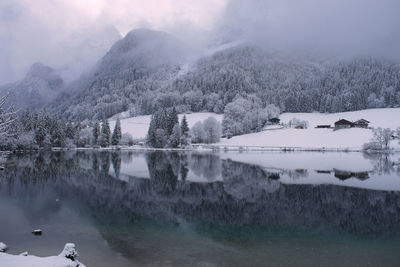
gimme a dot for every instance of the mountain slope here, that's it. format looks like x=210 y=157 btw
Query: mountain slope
x=148 y=70
x=143 y=60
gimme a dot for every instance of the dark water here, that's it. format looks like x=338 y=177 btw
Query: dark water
x=204 y=209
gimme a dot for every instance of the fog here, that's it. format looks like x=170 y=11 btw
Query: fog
x=333 y=27
x=72 y=35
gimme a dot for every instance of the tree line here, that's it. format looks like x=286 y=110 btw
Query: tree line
x=33 y=130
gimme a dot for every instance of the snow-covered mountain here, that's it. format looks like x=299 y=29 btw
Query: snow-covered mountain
x=40 y=86
x=143 y=60
x=147 y=70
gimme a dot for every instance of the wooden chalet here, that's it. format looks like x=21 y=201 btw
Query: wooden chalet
x=361 y=123
x=274 y=121
x=323 y=126
x=340 y=124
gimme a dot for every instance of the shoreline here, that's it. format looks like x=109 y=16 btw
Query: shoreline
x=212 y=148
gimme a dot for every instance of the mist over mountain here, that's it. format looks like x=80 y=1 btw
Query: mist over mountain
x=143 y=60
x=37 y=89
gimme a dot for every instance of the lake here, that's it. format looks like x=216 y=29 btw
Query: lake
x=125 y=208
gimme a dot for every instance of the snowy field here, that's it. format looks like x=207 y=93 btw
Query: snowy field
x=353 y=138
x=138 y=126
x=310 y=138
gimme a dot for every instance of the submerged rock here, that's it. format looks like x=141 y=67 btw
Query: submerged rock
x=37 y=232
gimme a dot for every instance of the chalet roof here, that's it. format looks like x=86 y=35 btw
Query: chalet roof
x=362 y=121
x=274 y=119
x=344 y=122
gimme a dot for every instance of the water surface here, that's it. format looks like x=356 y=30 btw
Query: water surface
x=205 y=209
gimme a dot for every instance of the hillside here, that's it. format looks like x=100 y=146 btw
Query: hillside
x=143 y=61
x=148 y=70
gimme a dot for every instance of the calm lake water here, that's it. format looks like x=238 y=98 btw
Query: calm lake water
x=205 y=209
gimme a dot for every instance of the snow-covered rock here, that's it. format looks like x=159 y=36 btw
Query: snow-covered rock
x=67 y=258
x=3 y=247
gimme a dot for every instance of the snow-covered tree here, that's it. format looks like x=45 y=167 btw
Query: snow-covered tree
x=127 y=139
x=7 y=118
x=383 y=136
x=117 y=135
x=175 y=137
x=105 y=134
x=212 y=130
x=197 y=132
x=96 y=133
x=185 y=138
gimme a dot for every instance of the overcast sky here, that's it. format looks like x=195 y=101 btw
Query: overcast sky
x=72 y=34
x=65 y=33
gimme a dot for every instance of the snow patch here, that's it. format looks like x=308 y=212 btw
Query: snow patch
x=67 y=258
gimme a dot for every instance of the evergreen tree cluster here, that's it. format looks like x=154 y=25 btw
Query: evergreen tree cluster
x=165 y=130
x=40 y=129
x=32 y=130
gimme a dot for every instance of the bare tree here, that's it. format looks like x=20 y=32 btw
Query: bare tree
x=7 y=117
x=383 y=136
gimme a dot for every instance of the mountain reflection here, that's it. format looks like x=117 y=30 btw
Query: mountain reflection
x=229 y=193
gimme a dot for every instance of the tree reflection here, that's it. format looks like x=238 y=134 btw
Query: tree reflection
x=381 y=162
x=162 y=175
x=116 y=161
x=206 y=165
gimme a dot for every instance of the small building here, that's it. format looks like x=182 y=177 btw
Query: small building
x=361 y=123
x=299 y=127
x=323 y=126
x=342 y=123
x=274 y=121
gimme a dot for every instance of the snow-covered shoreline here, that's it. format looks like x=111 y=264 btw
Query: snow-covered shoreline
x=67 y=258
x=285 y=139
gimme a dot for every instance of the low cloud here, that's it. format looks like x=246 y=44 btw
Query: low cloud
x=73 y=34
x=333 y=27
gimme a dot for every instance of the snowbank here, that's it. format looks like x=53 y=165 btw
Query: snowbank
x=139 y=126
x=67 y=258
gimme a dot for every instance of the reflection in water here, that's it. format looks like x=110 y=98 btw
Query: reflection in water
x=343 y=175
x=233 y=199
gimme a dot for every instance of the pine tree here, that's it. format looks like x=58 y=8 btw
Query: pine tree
x=172 y=120
x=96 y=133
x=151 y=134
x=174 y=138
x=185 y=140
x=58 y=136
x=40 y=133
x=117 y=135
x=105 y=134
